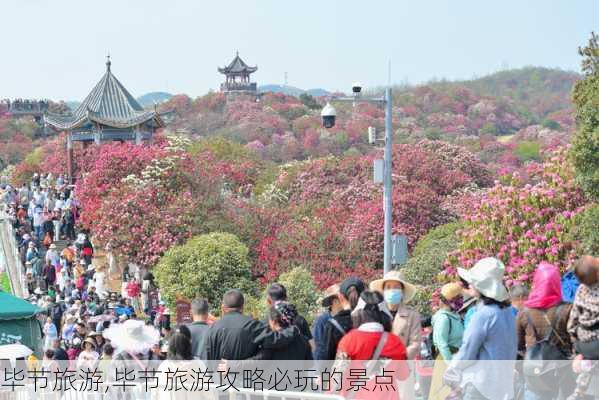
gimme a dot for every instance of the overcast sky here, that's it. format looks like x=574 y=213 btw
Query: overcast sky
x=56 y=48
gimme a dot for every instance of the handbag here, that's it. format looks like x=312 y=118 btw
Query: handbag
x=542 y=361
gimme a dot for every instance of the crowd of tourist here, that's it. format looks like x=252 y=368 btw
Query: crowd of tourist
x=477 y=318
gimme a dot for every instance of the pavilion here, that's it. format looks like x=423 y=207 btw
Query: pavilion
x=108 y=113
x=237 y=77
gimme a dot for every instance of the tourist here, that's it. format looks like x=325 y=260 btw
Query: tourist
x=49 y=275
x=584 y=318
x=199 y=328
x=88 y=357
x=544 y=318
x=57 y=221
x=98 y=339
x=319 y=326
x=448 y=331
x=107 y=352
x=518 y=296
x=397 y=293
x=341 y=322
x=132 y=340
x=52 y=256
x=232 y=336
x=50 y=333
x=133 y=291
x=489 y=336
x=277 y=292
x=372 y=340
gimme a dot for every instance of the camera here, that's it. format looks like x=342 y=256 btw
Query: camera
x=356 y=87
x=328 y=114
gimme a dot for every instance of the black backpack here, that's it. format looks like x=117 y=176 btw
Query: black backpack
x=544 y=359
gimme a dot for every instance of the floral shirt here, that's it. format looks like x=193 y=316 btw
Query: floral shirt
x=583 y=325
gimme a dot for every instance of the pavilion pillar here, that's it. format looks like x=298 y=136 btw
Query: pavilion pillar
x=97 y=137
x=137 y=137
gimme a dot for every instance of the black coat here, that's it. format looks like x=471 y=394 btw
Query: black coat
x=232 y=337
x=332 y=336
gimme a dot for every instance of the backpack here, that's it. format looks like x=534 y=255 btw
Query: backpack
x=544 y=359
x=337 y=326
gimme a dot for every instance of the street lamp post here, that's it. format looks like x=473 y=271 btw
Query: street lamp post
x=328 y=116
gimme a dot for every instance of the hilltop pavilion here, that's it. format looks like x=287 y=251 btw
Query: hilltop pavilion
x=237 y=77
x=108 y=113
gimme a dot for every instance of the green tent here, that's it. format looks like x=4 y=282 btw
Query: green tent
x=19 y=323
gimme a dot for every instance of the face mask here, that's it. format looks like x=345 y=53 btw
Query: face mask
x=456 y=304
x=393 y=296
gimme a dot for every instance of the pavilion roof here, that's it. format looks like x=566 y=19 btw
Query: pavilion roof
x=109 y=103
x=237 y=66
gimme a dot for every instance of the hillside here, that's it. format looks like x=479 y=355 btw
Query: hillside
x=529 y=109
x=149 y=99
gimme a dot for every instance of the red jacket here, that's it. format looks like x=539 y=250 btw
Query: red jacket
x=359 y=345
x=133 y=289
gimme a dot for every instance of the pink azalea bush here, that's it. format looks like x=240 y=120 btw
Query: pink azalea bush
x=523 y=223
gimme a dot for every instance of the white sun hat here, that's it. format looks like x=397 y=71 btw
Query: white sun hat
x=487 y=277
x=132 y=336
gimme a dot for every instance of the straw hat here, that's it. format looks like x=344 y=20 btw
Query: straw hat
x=90 y=341
x=450 y=291
x=487 y=277
x=332 y=291
x=132 y=336
x=52 y=246
x=409 y=290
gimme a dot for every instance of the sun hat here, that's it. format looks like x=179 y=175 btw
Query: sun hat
x=450 y=291
x=52 y=246
x=332 y=291
x=132 y=336
x=90 y=341
x=487 y=277
x=409 y=290
x=31 y=244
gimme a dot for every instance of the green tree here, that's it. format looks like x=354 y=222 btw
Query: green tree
x=205 y=266
x=488 y=129
x=585 y=230
x=309 y=101
x=585 y=144
x=551 y=124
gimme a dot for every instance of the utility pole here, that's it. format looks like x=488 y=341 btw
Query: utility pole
x=328 y=116
x=387 y=181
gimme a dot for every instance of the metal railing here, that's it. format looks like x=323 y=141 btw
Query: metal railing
x=136 y=391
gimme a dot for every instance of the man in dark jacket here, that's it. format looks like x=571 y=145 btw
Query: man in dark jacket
x=277 y=293
x=232 y=337
x=199 y=328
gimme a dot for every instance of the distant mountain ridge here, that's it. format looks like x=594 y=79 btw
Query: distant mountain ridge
x=292 y=90
x=149 y=99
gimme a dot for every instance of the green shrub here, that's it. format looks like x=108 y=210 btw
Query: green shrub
x=585 y=143
x=551 y=124
x=586 y=230
x=301 y=291
x=528 y=151
x=427 y=261
x=205 y=266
